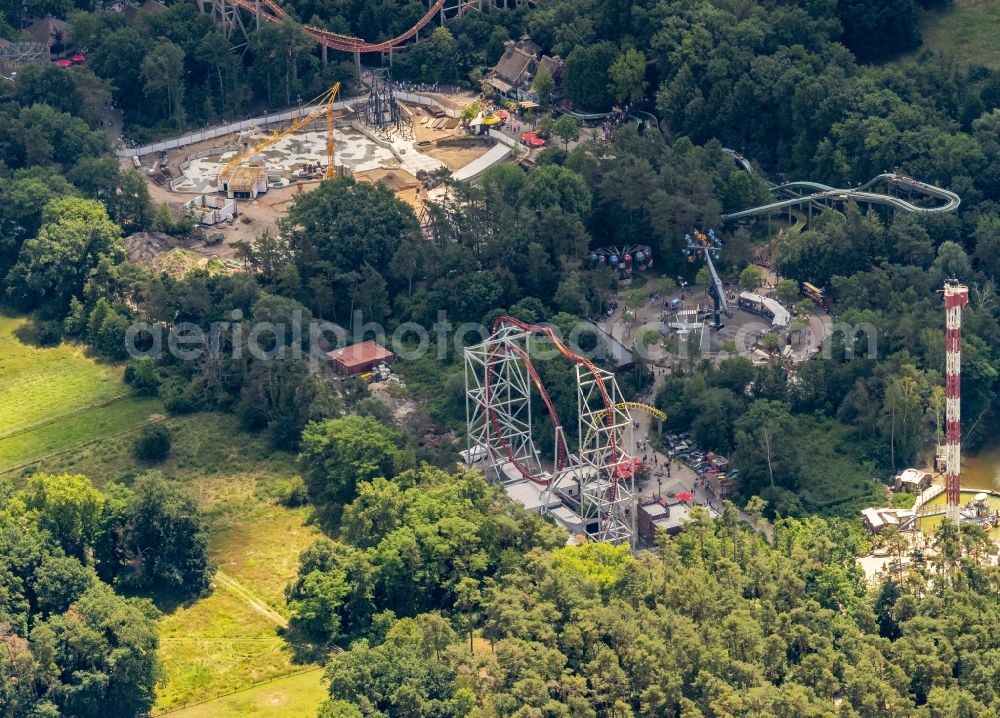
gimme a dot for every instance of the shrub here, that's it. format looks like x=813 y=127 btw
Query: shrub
x=143 y=376
x=49 y=333
x=295 y=493
x=178 y=397
x=153 y=443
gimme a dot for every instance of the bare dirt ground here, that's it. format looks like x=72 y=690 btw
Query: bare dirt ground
x=457 y=157
x=411 y=414
x=423 y=132
x=457 y=101
x=262 y=214
x=406 y=186
x=453 y=157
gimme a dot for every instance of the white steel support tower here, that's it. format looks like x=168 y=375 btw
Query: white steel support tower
x=498 y=404
x=605 y=438
x=226 y=14
x=956 y=296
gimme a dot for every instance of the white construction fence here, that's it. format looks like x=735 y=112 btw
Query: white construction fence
x=265 y=121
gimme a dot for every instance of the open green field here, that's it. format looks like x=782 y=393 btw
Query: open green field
x=230 y=640
x=57 y=397
x=76 y=428
x=969 y=31
x=292 y=697
x=39 y=384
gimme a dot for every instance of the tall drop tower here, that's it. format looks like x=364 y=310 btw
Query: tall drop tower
x=956 y=296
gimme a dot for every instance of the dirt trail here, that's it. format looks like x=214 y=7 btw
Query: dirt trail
x=245 y=595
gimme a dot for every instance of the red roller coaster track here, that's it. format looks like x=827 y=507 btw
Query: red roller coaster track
x=272 y=12
x=562 y=454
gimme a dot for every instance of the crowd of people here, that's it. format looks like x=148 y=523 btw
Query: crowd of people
x=425 y=87
x=615 y=120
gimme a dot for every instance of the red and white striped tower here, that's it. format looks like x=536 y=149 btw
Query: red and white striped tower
x=956 y=296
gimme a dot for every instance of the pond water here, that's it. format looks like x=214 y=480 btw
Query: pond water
x=979 y=472
x=982 y=471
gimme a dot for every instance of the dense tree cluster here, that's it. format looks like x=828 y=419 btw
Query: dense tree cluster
x=174 y=67
x=148 y=536
x=456 y=609
x=66 y=200
x=514 y=242
x=417 y=541
x=72 y=646
x=451 y=601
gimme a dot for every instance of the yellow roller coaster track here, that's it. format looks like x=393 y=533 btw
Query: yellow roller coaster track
x=651 y=410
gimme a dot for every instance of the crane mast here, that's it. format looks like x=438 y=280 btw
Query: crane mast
x=324 y=106
x=330 y=170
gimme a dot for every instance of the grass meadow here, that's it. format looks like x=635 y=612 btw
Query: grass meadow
x=967 y=30
x=57 y=397
x=227 y=648
x=295 y=696
x=225 y=654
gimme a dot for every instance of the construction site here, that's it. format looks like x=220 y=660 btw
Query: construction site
x=238 y=179
x=357 y=137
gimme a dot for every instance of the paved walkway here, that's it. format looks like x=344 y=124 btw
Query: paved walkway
x=706 y=492
x=114 y=123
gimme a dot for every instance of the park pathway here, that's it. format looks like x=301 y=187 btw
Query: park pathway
x=243 y=593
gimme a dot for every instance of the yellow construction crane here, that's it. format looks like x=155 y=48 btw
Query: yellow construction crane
x=324 y=105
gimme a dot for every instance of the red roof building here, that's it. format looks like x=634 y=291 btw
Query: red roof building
x=358 y=358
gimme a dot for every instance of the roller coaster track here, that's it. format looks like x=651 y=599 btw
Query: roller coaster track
x=561 y=451
x=269 y=11
x=819 y=192
x=651 y=410
x=506 y=346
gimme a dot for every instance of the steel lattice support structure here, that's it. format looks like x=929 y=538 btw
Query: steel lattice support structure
x=226 y=14
x=499 y=375
x=498 y=403
x=270 y=11
x=956 y=296
x=382 y=111
x=605 y=432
